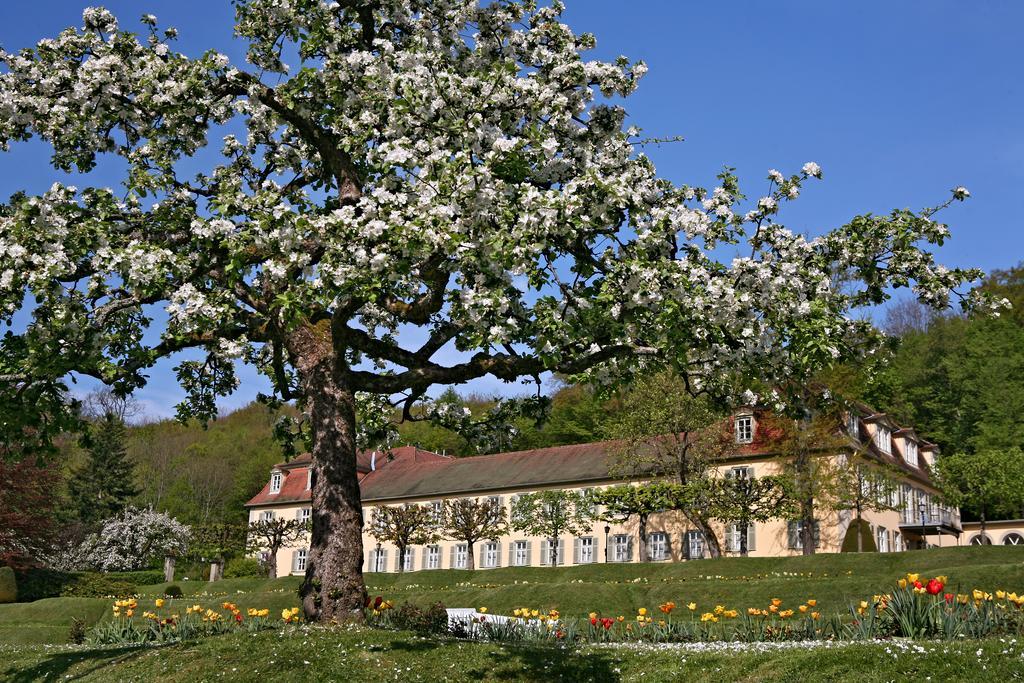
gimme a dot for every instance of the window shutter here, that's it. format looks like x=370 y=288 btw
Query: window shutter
x=750 y=472
x=412 y=557
x=687 y=541
x=817 y=534
x=668 y=546
x=545 y=552
x=451 y=557
x=629 y=549
x=384 y=559
x=792 y=529
x=497 y=555
x=512 y=554
x=295 y=560
x=576 y=550
x=561 y=551
x=480 y=564
x=298 y=514
x=751 y=537
x=426 y=554
x=529 y=553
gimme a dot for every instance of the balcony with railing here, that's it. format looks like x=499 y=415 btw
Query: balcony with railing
x=933 y=520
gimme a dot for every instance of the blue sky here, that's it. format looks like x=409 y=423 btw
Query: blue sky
x=898 y=101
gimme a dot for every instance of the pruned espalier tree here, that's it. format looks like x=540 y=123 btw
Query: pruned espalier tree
x=439 y=165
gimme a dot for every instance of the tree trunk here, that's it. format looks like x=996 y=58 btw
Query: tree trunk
x=742 y=528
x=168 y=569
x=272 y=564
x=553 y=551
x=470 y=560
x=807 y=526
x=860 y=532
x=334 y=589
x=216 y=570
x=642 y=529
x=401 y=559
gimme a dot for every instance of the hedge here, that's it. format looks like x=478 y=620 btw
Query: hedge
x=38 y=583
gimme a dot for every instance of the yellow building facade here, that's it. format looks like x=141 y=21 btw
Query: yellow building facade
x=408 y=475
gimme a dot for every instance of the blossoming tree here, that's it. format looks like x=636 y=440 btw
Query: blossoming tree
x=437 y=167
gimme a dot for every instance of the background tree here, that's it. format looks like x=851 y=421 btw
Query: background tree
x=405 y=525
x=413 y=171
x=216 y=543
x=268 y=536
x=625 y=501
x=136 y=539
x=551 y=513
x=667 y=432
x=471 y=520
x=100 y=403
x=862 y=484
x=807 y=447
x=105 y=483
x=743 y=500
x=28 y=509
x=986 y=484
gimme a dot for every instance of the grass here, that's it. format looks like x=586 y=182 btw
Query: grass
x=834 y=580
x=32 y=635
x=360 y=654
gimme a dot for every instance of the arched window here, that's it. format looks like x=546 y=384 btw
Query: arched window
x=981 y=539
x=1013 y=538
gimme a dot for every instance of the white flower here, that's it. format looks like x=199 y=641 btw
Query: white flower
x=961 y=193
x=812 y=169
x=776 y=176
x=767 y=204
x=793 y=192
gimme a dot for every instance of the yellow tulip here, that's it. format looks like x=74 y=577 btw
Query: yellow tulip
x=911 y=578
x=159 y=602
x=482 y=610
x=592 y=615
x=692 y=606
x=812 y=603
x=642 y=611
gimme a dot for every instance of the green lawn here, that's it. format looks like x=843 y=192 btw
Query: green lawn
x=360 y=654
x=833 y=580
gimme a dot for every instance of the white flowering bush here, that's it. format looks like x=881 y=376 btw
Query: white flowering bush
x=135 y=539
x=437 y=191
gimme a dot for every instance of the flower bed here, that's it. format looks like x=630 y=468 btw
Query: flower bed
x=916 y=607
x=166 y=622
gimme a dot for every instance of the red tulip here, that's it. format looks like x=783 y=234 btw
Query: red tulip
x=949 y=598
x=607 y=623
x=917 y=584
x=378 y=602
x=593 y=621
x=934 y=587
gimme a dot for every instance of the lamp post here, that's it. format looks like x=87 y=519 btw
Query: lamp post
x=607 y=530
x=920 y=510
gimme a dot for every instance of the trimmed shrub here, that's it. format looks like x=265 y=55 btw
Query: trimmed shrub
x=8 y=585
x=424 y=622
x=244 y=566
x=867 y=538
x=173 y=591
x=98 y=586
x=37 y=583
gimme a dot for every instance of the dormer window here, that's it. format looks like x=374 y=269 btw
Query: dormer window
x=853 y=425
x=744 y=425
x=910 y=453
x=883 y=439
x=275 y=482
x=309 y=478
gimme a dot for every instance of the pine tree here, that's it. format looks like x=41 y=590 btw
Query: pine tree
x=105 y=483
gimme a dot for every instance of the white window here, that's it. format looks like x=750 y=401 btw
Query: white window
x=897 y=542
x=588 y=497
x=622 y=548
x=744 y=428
x=304 y=514
x=734 y=534
x=853 y=425
x=461 y=555
x=521 y=554
x=657 y=546
x=740 y=473
x=433 y=557
x=794 y=531
x=437 y=510
x=694 y=545
x=275 y=482
x=545 y=552
x=586 y=552
x=882 y=535
x=266 y=515
x=407 y=560
x=379 y=560
x=299 y=560
x=883 y=439
x=490 y=555
x=910 y=451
